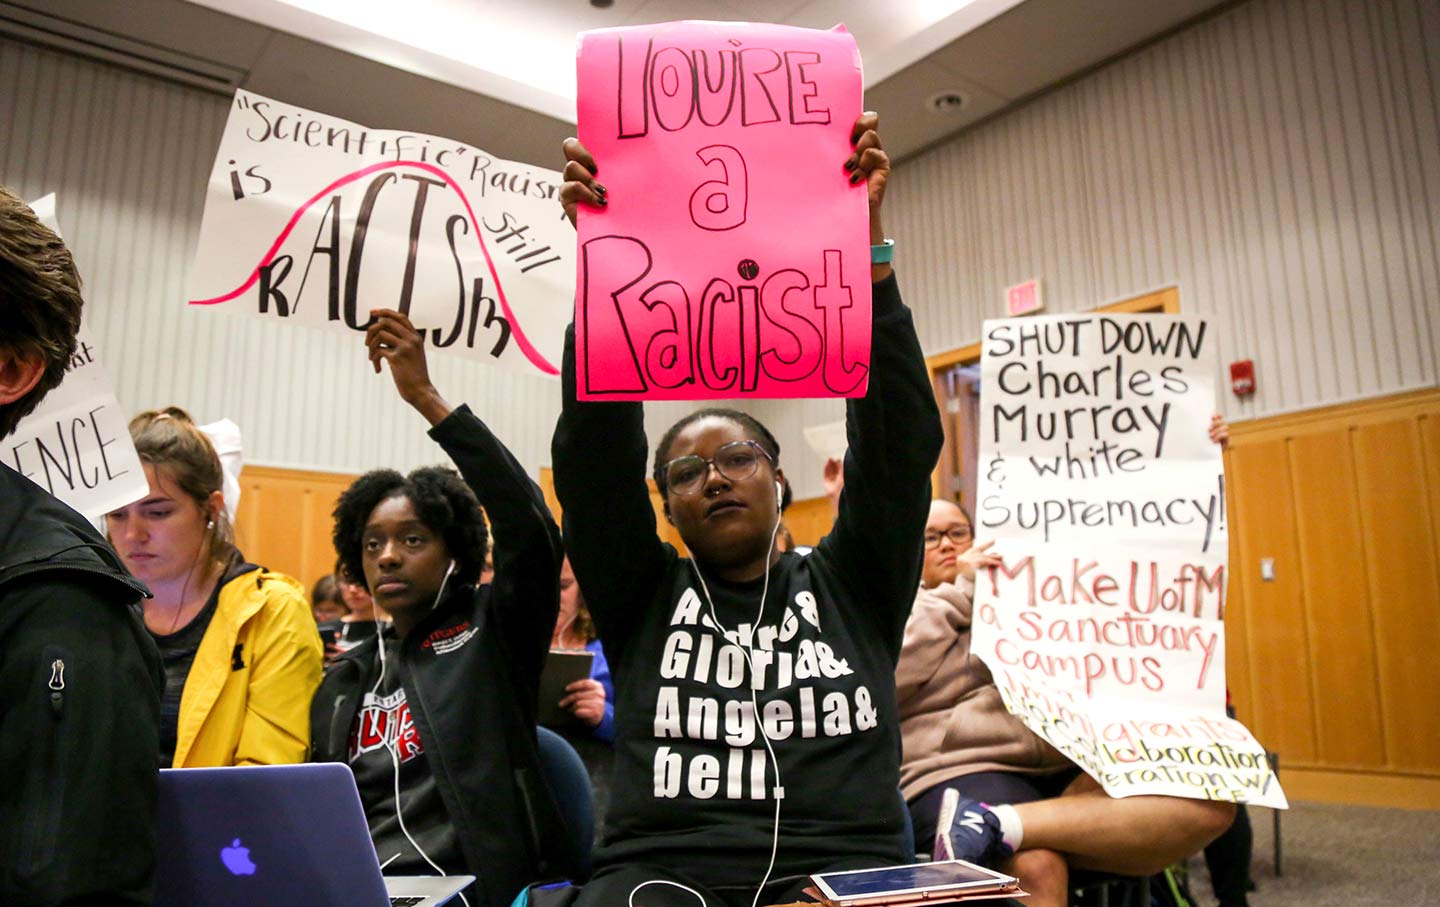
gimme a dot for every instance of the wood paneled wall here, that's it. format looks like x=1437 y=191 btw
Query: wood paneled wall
x=809 y=520
x=284 y=522
x=1333 y=663
x=285 y=518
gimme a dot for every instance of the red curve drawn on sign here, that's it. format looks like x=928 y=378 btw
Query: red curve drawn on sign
x=521 y=340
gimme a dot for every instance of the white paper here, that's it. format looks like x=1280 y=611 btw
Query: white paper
x=314 y=220
x=1104 y=495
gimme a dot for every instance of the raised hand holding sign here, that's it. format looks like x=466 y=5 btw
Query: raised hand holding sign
x=724 y=251
x=391 y=338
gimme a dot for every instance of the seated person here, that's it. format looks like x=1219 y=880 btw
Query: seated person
x=361 y=618
x=756 y=735
x=355 y=623
x=955 y=729
x=327 y=606
x=241 y=654
x=590 y=702
x=1032 y=813
x=436 y=715
x=80 y=679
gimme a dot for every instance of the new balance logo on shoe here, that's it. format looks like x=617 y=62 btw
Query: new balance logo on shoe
x=967 y=830
x=974 y=821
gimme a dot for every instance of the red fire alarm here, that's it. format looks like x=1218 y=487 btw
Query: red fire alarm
x=1242 y=377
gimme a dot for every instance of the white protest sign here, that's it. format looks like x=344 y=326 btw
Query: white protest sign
x=1104 y=628
x=314 y=220
x=76 y=444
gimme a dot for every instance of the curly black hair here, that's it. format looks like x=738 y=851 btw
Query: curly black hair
x=441 y=499
x=746 y=421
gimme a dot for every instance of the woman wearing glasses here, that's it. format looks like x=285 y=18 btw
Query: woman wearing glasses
x=756 y=730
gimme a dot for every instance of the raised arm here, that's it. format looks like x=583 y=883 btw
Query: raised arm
x=524 y=538
x=599 y=455
x=525 y=593
x=893 y=432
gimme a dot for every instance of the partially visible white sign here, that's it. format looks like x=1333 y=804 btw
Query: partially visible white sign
x=76 y=445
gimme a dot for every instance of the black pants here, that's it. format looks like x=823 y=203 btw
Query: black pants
x=1228 y=859
x=993 y=788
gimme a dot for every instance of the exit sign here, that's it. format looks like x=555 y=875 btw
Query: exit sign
x=1024 y=298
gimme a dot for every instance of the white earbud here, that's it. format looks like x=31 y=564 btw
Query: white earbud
x=779 y=497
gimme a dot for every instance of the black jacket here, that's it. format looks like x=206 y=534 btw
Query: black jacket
x=474 y=703
x=80 y=684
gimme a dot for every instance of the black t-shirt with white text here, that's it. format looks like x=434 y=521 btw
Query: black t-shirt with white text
x=699 y=695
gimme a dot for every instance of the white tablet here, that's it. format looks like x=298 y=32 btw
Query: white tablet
x=916 y=883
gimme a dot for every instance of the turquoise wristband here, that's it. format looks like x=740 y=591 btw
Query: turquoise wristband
x=883 y=254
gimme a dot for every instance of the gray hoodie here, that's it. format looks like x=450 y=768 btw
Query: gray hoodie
x=952 y=721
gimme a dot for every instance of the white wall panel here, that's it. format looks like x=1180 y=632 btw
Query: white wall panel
x=129 y=156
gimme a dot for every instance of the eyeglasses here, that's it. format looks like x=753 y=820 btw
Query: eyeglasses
x=957 y=536
x=735 y=461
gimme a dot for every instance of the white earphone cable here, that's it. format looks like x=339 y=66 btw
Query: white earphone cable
x=697 y=894
x=779 y=790
x=393 y=747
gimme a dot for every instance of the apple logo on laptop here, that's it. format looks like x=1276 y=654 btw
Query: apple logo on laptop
x=237 y=859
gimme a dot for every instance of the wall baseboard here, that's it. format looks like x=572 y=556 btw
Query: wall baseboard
x=1359 y=788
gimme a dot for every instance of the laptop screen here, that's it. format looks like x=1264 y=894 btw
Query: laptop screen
x=292 y=834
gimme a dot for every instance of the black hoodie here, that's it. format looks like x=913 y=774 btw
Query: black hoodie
x=80 y=685
x=471 y=672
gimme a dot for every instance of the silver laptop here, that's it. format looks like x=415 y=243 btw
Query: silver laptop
x=275 y=835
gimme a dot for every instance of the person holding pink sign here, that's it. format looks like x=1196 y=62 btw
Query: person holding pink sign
x=757 y=740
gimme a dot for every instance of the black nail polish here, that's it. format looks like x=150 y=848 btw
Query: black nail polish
x=850 y=165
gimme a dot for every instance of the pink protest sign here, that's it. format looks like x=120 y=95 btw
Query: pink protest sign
x=733 y=257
